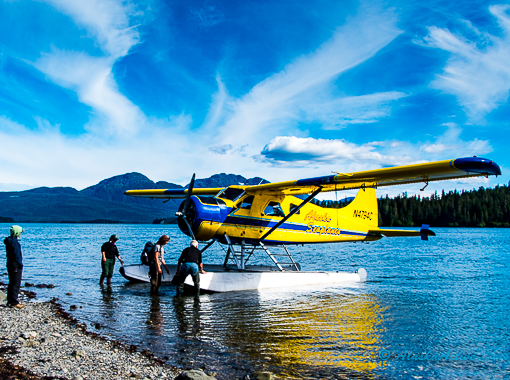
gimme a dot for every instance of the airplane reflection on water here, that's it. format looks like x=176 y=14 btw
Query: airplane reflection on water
x=334 y=330
x=292 y=334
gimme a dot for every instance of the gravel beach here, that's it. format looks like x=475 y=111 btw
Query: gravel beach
x=42 y=341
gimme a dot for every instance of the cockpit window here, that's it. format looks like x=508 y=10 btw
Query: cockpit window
x=247 y=202
x=231 y=193
x=293 y=207
x=274 y=209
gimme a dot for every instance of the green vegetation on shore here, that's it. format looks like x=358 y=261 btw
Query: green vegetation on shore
x=475 y=208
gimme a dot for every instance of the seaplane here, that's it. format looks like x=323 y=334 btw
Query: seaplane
x=267 y=218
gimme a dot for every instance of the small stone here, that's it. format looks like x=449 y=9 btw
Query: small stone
x=2 y=296
x=29 y=335
x=73 y=307
x=50 y=286
x=31 y=343
x=78 y=354
x=193 y=375
x=28 y=284
x=69 y=294
x=263 y=376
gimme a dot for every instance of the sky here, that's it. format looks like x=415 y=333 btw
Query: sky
x=90 y=89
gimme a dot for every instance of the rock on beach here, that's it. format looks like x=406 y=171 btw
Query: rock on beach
x=51 y=347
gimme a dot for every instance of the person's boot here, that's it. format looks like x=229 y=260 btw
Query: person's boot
x=196 y=281
x=101 y=280
x=180 y=288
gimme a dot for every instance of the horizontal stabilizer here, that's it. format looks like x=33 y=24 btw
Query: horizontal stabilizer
x=424 y=232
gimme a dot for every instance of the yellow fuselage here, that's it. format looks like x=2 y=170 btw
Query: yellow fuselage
x=311 y=224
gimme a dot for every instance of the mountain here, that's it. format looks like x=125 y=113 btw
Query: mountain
x=112 y=189
x=224 y=180
x=103 y=202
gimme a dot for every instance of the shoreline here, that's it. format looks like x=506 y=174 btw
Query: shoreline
x=54 y=345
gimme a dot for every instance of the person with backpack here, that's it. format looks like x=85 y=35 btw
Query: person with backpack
x=144 y=257
x=156 y=261
x=14 y=266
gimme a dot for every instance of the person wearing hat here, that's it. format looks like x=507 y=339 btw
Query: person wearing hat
x=109 y=251
x=156 y=262
x=14 y=266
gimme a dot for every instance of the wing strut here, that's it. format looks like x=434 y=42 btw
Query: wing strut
x=317 y=191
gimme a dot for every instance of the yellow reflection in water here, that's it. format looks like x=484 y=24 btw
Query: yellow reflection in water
x=334 y=330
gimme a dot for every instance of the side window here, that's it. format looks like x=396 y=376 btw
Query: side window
x=247 y=202
x=274 y=209
x=293 y=206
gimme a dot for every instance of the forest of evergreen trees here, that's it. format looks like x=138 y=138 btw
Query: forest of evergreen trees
x=475 y=208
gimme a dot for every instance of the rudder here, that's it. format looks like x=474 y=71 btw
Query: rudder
x=363 y=208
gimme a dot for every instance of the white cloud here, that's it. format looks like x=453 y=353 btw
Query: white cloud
x=107 y=21
x=301 y=91
x=302 y=151
x=92 y=80
x=477 y=72
x=337 y=113
x=295 y=151
x=91 y=77
x=451 y=144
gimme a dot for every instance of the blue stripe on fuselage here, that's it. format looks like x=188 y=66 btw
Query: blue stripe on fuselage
x=267 y=223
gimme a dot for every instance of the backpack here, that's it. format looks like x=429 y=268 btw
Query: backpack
x=147 y=253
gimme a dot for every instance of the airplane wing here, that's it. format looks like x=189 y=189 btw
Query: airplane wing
x=417 y=173
x=398 y=175
x=172 y=193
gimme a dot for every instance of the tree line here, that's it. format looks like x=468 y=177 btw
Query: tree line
x=476 y=208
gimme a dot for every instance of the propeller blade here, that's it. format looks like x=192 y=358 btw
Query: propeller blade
x=188 y=195
x=189 y=228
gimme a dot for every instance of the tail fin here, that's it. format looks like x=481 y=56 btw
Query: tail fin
x=363 y=208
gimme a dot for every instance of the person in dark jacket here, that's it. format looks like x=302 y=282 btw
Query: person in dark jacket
x=109 y=251
x=190 y=263
x=157 y=261
x=14 y=266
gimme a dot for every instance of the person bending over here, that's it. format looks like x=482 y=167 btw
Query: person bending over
x=190 y=263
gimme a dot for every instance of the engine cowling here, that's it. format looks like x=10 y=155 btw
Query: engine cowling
x=205 y=215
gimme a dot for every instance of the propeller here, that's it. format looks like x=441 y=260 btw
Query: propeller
x=183 y=214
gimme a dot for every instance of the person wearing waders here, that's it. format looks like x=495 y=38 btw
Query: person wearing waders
x=14 y=266
x=109 y=251
x=190 y=263
x=156 y=262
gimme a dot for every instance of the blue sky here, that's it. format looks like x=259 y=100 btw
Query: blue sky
x=278 y=89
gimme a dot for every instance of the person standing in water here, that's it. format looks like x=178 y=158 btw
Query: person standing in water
x=190 y=263
x=14 y=266
x=156 y=261
x=109 y=251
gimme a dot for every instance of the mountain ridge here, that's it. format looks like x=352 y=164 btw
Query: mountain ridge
x=102 y=202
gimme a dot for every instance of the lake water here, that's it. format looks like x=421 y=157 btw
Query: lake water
x=437 y=309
